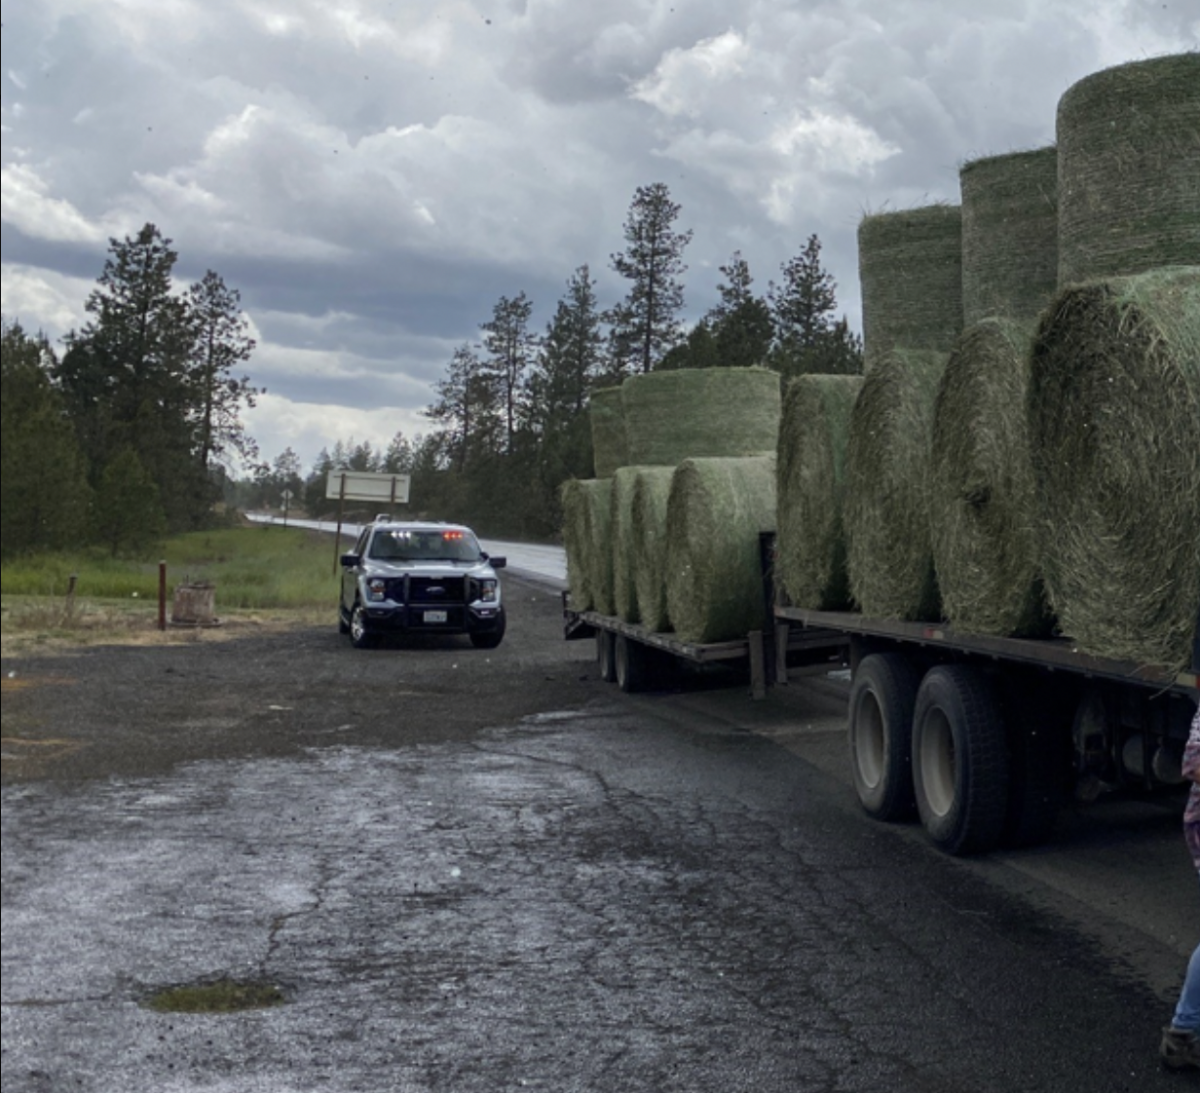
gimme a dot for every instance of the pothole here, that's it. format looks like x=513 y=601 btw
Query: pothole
x=216 y=996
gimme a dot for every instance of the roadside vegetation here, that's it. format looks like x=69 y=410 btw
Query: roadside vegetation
x=263 y=575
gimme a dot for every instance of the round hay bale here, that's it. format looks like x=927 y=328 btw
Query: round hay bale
x=1009 y=235
x=609 y=447
x=886 y=509
x=810 y=555
x=574 y=503
x=981 y=505
x=716 y=511
x=1114 y=412
x=702 y=412
x=651 y=489
x=910 y=272
x=1129 y=170
x=623 y=538
x=587 y=542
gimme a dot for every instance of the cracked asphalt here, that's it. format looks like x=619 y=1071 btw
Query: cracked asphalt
x=489 y=871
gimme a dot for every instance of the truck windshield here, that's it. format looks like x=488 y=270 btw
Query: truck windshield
x=407 y=545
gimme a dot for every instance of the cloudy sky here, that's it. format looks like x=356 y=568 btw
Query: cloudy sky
x=372 y=175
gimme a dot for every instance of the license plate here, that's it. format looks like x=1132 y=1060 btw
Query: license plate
x=435 y=616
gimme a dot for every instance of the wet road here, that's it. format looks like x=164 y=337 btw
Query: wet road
x=472 y=871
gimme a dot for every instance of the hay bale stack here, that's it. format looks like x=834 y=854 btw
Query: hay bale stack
x=716 y=511
x=610 y=449
x=622 y=538
x=1009 y=235
x=981 y=500
x=704 y=412
x=651 y=489
x=573 y=495
x=586 y=514
x=1114 y=412
x=910 y=271
x=1129 y=170
x=888 y=552
x=810 y=560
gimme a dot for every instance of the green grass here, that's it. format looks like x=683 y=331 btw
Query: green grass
x=252 y=568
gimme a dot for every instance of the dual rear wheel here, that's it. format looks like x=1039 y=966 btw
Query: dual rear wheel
x=977 y=772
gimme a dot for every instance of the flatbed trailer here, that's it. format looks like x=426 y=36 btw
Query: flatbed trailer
x=984 y=738
x=632 y=656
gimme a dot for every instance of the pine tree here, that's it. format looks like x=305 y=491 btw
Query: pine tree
x=741 y=323
x=126 y=376
x=45 y=499
x=570 y=356
x=646 y=324
x=466 y=408
x=806 y=337
x=128 y=516
x=510 y=346
x=220 y=343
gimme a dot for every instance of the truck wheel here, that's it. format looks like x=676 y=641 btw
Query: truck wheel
x=490 y=639
x=960 y=764
x=629 y=664
x=605 y=658
x=880 y=732
x=360 y=636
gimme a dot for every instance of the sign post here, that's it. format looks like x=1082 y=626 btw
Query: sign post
x=364 y=486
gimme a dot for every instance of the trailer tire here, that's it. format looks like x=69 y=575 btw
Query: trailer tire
x=882 y=698
x=605 y=659
x=629 y=662
x=959 y=760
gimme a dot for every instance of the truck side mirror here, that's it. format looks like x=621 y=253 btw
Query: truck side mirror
x=349 y=561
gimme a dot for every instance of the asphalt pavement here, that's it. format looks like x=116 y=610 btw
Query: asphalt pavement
x=488 y=870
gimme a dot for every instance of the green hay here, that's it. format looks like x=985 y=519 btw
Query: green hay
x=700 y=412
x=886 y=511
x=910 y=272
x=981 y=501
x=810 y=558
x=651 y=489
x=624 y=583
x=610 y=448
x=1009 y=235
x=716 y=511
x=1129 y=170
x=1114 y=412
x=574 y=502
x=587 y=542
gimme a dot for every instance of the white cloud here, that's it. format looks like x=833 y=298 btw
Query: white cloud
x=43 y=300
x=27 y=204
x=277 y=423
x=686 y=79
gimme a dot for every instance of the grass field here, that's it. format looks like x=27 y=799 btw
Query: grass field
x=263 y=575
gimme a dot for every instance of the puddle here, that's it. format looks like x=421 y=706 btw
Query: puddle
x=216 y=996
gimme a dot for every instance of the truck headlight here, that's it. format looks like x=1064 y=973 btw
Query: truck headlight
x=376 y=589
x=487 y=591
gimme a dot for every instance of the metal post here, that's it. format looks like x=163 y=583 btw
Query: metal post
x=337 y=538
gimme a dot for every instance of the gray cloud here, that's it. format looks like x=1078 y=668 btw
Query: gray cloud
x=373 y=175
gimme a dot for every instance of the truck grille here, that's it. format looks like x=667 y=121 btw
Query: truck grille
x=437 y=591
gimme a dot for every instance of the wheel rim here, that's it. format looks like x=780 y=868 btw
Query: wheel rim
x=869 y=742
x=936 y=756
x=357 y=626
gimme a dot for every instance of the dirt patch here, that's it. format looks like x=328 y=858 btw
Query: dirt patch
x=142 y=701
